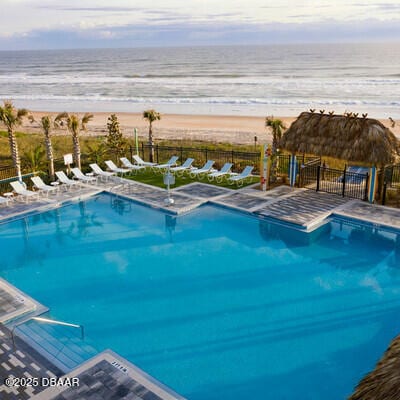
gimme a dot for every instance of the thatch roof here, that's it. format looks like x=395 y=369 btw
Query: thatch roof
x=346 y=137
x=383 y=383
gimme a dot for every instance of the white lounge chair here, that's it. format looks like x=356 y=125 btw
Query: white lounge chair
x=187 y=165
x=112 y=167
x=142 y=163
x=21 y=191
x=41 y=186
x=203 y=170
x=129 y=165
x=221 y=174
x=65 y=180
x=78 y=174
x=4 y=201
x=99 y=172
x=239 y=179
x=170 y=163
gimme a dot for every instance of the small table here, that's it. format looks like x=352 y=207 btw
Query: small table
x=55 y=184
x=8 y=195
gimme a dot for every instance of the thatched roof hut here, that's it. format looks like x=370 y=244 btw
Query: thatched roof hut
x=383 y=383
x=346 y=137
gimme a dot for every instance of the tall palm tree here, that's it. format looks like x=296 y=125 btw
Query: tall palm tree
x=74 y=125
x=47 y=124
x=12 y=117
x=277 y=127
x=151 y=116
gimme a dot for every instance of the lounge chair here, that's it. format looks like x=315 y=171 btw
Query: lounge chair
x=129 y=165
x=221 y=174
x=203 y=170
x=170 y=163
x=41 y=186
x=239 y=179
x=22 y=192
x=78 y=174
x=65 y=180
x=4 y=201
x=99 y=172
x=142 y=163
x=187 y=165
x=112 y=167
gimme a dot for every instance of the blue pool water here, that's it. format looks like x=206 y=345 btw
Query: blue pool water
x=215 y=304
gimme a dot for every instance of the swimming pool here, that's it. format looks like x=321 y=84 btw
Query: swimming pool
x=215 y=304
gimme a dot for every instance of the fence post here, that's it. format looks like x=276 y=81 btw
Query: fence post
x=130 y=149
x=384 y=193
x=372 y=185
x=233 y=157
x=292 y=170
x=157 y=154
x=181 y=154
x=143 y=150
x=366 y=187
x=344 y=182
x=206 y=154
x=318 y=176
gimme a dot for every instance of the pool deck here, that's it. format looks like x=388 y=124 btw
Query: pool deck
x=108 y=375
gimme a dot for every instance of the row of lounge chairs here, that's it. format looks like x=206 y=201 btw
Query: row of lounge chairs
x=205 y=171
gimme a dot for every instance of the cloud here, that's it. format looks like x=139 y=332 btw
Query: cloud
x=197 y=33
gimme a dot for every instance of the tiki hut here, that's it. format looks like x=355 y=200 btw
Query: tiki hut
x=383 y=383
x=346 y=137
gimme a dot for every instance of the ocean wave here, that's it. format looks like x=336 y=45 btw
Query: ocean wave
x=207 y=100
x=195 y=79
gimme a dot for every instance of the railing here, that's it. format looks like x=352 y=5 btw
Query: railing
x=5 y=183
x=341 y=182
x=48 y=321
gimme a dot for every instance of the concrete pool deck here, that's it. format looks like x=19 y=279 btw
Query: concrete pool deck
x=103 y=375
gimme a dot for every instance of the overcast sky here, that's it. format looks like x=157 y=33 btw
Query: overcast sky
x=42 y=24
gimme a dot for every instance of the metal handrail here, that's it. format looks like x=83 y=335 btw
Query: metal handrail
x=47 y=321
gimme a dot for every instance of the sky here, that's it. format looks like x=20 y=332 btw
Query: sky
x=52 y=24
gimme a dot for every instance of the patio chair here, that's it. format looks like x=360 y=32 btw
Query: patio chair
x=142 y=163
x=170 y=163
x=129 y=165
x=99 y=172
x=239 y=179
x=4 y=201
x=187 y=165
x=41 y=186
x=203 y=170
x=221 y=174
x=78 y=174
x=22 y=192
x=66 y=182
x=112 y=167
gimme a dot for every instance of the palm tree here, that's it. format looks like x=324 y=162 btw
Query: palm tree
x=151 y=116
x=75 y=126
x=47 y=124
x=12 y=118
x=34 y=158
x=277 y=127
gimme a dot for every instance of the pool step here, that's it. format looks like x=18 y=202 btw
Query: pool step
x=63 y=346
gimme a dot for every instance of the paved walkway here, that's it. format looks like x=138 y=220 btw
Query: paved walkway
x=110 y=377
x=25 y=362
x=372 y=213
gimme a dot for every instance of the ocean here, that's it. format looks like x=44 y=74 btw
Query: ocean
x=233 y=80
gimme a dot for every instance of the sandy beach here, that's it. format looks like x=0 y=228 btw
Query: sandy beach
x=231 y=129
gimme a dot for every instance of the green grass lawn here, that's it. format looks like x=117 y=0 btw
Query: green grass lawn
x=156 y=179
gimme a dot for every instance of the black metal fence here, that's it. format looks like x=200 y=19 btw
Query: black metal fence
x=239 y=159
x=392 y=175
x=341 y=182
